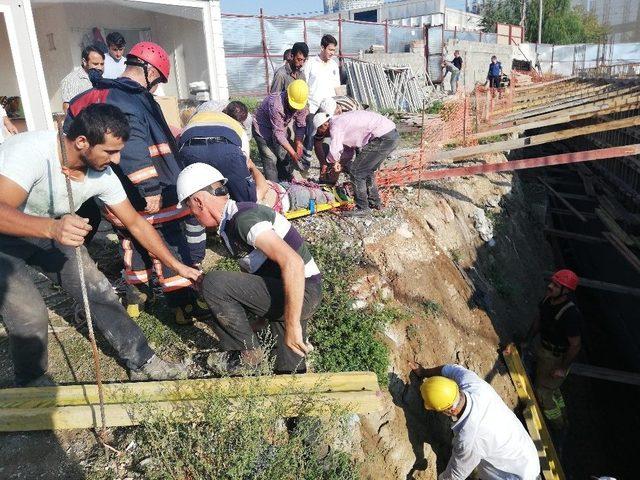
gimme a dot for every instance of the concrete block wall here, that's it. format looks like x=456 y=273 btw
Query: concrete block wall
x=415 y=60
x=476 y=58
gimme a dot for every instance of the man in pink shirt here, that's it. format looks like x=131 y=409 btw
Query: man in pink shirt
x=373 y=136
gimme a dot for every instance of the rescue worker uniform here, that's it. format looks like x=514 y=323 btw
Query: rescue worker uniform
x=557 y=324
x=147 y=168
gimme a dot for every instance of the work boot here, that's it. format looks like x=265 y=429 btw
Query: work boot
x=235 y=363
x=136 y=299
x=357 y=213
x=158 y=369
x=197 y=310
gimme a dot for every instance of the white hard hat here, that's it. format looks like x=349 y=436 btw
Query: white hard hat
x=320 y=119
x=328 y=105
x=195 y=177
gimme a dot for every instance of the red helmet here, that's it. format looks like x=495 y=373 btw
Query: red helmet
x=566 y=278
x=154 y=55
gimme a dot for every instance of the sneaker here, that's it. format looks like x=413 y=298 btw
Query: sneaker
x=197 y=310
x=235 y=362
x=41 y=381
x=357 y=212
x=158 y=369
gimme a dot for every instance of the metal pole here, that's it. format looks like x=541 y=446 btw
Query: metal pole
x=264 y=51
x=386 y=36
x=540 y=22
x=340 y=37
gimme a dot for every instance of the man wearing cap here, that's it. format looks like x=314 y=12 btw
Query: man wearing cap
x=148 y=171
x=270 y=123
x=279 y=281
x=488 y=436
x=558 y=323
x=374 y=135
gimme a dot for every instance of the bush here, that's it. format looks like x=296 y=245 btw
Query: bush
x=346 y=339
x=241 y=438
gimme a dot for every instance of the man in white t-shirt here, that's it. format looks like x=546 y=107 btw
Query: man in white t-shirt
x=38 y=229
x=322 y=73
x=488 y=436
x=114 y=59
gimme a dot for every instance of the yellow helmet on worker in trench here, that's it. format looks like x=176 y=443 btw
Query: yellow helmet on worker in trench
x=439 y=393
x=298 y=94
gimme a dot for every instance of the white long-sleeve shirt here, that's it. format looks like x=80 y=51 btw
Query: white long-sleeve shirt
x=322 y=78
x=488 y=435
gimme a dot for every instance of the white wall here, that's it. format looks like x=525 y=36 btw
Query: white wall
x=476 y=58
x=8 y=79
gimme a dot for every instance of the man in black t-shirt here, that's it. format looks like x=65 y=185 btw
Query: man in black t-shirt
x=559 y=327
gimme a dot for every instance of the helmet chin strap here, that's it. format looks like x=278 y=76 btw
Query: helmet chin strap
x=145 y=69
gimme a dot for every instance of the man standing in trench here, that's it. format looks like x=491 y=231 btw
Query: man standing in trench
x=37 y=229
x=280 y=280
x=558 y=323
x=488 y=437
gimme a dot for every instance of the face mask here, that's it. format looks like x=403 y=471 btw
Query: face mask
x=94 y=75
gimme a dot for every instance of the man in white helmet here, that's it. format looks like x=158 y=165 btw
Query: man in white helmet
x=279 y=281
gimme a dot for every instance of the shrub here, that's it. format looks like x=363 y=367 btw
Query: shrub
x=346 y=339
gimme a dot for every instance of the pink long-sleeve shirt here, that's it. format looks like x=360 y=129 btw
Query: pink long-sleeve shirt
x=355 y=129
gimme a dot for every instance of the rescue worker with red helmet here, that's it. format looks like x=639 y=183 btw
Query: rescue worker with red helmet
x=148 y=171
x=559 y=325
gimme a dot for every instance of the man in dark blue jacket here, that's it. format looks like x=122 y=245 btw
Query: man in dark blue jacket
x=148 y=171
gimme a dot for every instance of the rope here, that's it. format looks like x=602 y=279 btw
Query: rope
x=83 y=285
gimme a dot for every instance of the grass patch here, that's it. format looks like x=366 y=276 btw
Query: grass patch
x=435 y=108
x=492 y=139
x=432 y=308
x=456 y=255
x=346 y=339
x=252 y=103
x=245 y=437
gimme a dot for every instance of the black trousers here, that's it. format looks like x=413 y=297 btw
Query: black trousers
x=229 y=294
x=363 y=169
x=25 y=313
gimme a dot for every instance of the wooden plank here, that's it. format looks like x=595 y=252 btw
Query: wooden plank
x=573 y=236
x=462 y=153
x=623 y=250
x=630 y=378
x=528 y=398
x=194 y=389
x=613 y=226
x=120 y=415
x=564 y=201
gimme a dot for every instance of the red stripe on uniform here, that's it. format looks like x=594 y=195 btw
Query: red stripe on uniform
x=92 y=96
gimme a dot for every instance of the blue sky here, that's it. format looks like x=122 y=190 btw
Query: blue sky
x=284 y=7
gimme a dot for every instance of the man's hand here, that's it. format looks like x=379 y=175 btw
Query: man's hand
x=190 y=273
x=337 y=167
x=11 y=128
x=293 y=339
x=559 y=373
x=70 y=230
x=298 y=147
x=153 y=204
x=418 y=369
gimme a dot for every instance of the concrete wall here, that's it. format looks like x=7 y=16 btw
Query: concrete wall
x=476 y=58
x=8 y=79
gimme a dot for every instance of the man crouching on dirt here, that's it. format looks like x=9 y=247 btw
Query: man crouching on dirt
x=280 y=280
x=38 y=229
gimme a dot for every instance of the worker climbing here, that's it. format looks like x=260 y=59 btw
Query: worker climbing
x=488 y=437
x=558 y=323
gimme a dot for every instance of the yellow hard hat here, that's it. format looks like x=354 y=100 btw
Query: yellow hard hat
x=439 y=393
x=298 y=93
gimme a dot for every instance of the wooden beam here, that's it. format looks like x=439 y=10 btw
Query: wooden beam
x=564 y=201
x=194 y=389
x=517 y=143
x=536 y=425
x=623 y=250
x=613 y=226
x=573 y=236
x=630 y=378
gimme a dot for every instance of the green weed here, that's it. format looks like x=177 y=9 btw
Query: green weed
x=252 y=103
x=432 y=308
x=435 y=107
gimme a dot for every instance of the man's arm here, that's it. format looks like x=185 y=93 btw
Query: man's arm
x=8 y=124
x=148 y=237
x=292 y=268
x=568 y=358
x=278 y=82
x=462 y=462
x=68 y=230
x=262 y=187
x=279 y=128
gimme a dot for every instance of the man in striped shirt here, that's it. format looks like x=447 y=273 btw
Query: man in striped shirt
x=279 y=281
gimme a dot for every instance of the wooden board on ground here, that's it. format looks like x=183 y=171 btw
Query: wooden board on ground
x=630 y=378
x=76 y=406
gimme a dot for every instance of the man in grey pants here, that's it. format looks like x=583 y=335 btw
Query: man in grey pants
x=455 y=75
x=37 y=229
x=374 y=137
